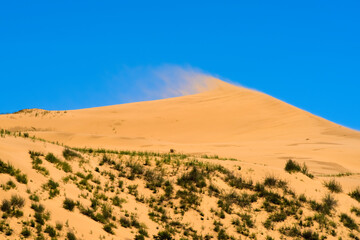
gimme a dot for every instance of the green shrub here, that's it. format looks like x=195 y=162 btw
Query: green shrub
x=292 y=166
x=139 y=237
x=333 y=186
x=348 y=222
x=9 y=185
x=25 y=232
x=356 y=211
x=69 y=154
x=12 y=206
x=163 y=235
x=109 y=228
x=328 y=204
x=21 y=178
x=270 y=181
x=290 y=231
x=278 y=216
x=69 y=204
x=169 y=189
x=66 y=167
x=6 y=206
x=125 y=222
x=70 y=236
x=309 y=234
x=247 y=219
x=17 y=201
x=106 y=211
x=50 y=230
x=195 y=177
x=188 y=199
x=355 y=194
x=51 y=158
x=7 y=168
x=59 y=226
x=52 y=187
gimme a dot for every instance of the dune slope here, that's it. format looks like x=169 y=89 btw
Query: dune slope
x=226 y=120
x=204 y=166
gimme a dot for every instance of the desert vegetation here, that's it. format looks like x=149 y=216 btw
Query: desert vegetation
x=152 y=195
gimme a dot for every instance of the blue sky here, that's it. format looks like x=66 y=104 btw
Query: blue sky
x=76 y=54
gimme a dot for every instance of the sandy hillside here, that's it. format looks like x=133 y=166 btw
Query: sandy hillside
x=226 y=120
x=224 y=178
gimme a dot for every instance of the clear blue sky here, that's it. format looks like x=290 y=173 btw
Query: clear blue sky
x=77 y=54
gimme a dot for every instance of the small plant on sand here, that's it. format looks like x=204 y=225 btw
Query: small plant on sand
x=163 y=235
x=70 y=154
x=52 y=187
x=58 y=163
x=12 y=207
x=70 y=236
x=293 y=167
x=355 y=194
x=333 y=186
x=12 y=171
x=348 y=222
x=356 y=211
x=69 y=204
x=25 y=232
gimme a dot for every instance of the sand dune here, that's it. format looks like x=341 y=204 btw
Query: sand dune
x=253 y=134
x=226 y=120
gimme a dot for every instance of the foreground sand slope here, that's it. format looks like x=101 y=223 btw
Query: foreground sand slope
x=226 y=120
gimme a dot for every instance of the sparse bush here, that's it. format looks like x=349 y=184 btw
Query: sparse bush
x=188 y=199
x=59 y=226
x=247 y=219
x=163 y=235
x=348 y=222
x=309 y=234
x=333 y=186
x=51 y=231
x=195 y=177
x=9 y=185
x=51 y=158
x=58 y=163
x=17 y=201
x=125 y=222
x=154 y=179
x=329 y=203
x=6 y=206
x=109 y=228
x=69 y=204
x=70 y=236
x=355 y=194
x=69 y=154
x=278 y=216
x=270 y=181
x=168 y=189
x=290 y=231
x=302 y=198
x=106 y=211
x=292 y=166
x=7 y=168
x=25 y=232
x=52 y=187
x=356 y=211
x=12 y=206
